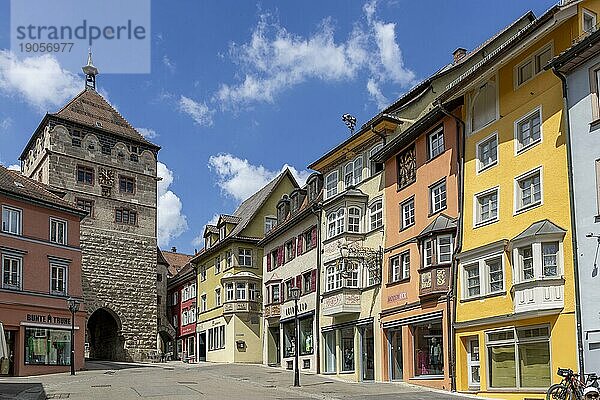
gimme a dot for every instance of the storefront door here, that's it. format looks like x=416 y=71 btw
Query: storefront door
x=368 y=353
x=202 y=346
x=395 y=354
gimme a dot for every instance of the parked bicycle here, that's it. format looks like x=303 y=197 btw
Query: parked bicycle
x=573 y=386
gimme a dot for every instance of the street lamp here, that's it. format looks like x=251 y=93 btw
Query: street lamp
x=295 y=293
x=73 y=307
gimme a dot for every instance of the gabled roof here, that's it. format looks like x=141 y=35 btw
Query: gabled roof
x=540 y=228
x=441 y=223
x=176 y=261
x=228 y=219
x=89 y=107
x=211 y=229
x=248 y=209
x=14 y=184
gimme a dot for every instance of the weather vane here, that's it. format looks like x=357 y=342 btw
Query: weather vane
x=350 y=122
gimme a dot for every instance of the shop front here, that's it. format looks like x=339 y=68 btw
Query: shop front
x=39 y=339
x=417 y=348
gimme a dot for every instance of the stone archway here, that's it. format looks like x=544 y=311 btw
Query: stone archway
x=104 y=335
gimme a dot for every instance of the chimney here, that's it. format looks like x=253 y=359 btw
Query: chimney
x=174 y=249
x=458 y=54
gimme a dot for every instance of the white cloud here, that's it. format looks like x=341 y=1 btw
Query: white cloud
x=171 y=221
x=199 y=112
x=274 y=60
x=14 y=167
x=168 y=63
x=239 y=179
x=147 y=133
x=5 y=124
x=376 y=94
x=40 y=80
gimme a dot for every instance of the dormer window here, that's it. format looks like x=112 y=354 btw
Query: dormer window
x=222 y=232
x=483 y=109
x=207 y=242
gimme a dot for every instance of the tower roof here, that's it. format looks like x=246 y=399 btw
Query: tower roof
x=91 y=109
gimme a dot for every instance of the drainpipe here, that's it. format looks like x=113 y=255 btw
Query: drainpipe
x=451 y=295
x=381 y=134
x=563 y=80
x=316 y=209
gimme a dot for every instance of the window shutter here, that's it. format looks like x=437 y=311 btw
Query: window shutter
x=313 y=280
x=313 y=236
x=282 y=294
x=282 y=249
x=268 y=261
x=299 y=281
x=279 y=256
x=293 y=249
x=267 y=295
x=299 y=246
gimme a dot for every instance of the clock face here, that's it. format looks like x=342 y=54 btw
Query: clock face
x=426 y=280
x=106 y=177
x=441 y=277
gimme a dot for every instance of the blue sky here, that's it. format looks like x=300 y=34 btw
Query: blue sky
x=239 y=89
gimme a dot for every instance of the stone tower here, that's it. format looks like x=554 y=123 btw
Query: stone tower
x=92 y=157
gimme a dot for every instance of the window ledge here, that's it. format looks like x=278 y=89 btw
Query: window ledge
x=394 y=283
x=527 y=208
x=529 y=146
x=487 y=167
x=485 y=223
x=432 y=213
x=483 y=297
x=595 y=124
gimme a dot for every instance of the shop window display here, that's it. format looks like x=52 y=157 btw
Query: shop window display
x=347 y=343
x=429 y=352
x=47 y=347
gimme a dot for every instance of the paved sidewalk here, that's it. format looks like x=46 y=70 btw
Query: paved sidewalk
x=176 y=380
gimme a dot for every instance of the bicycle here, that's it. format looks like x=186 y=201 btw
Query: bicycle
x=571 y=387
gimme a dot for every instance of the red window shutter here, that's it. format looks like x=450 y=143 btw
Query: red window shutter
x=282 y=249
x=268 y=261
x=299 y=246
x=313 y=280
x=279 y=258
x=299 y=281
x=313 y=236
x=293 y=249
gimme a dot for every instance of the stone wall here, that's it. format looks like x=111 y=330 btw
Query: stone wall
x=119 y=274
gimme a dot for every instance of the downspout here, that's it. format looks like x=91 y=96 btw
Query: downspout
x=316 y=209
x=381 y=134
x=451 y=295
x=563 y=80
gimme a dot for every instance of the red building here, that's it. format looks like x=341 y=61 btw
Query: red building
x=181 y=295
x=41 y=269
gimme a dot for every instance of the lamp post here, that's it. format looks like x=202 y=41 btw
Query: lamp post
x=295 y=292
x=73 y=307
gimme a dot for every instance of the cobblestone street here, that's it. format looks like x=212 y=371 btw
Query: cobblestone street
x=175 y=380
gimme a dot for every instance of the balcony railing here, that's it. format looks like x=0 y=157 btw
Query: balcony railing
x=434 y=280
x=240 y=306
x=341 y=301
x=539 y=295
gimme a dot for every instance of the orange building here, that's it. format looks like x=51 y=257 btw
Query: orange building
x=421 y=194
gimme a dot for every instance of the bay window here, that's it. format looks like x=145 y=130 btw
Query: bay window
x=538 y=260
x=437 y=250
x=229 y=291
x=354 y=219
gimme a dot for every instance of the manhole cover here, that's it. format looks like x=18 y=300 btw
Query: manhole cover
x=109 y=372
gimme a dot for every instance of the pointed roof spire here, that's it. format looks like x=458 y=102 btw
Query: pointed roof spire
x=90 y=72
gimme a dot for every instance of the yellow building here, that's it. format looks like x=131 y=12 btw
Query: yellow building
x=230 y=277
x=515 y=311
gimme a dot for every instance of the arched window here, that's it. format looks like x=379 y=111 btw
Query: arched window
x=354 y=219
x=483 y=110
x=376 y=214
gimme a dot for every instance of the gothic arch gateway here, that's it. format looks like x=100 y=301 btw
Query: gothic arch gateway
x=104 y=335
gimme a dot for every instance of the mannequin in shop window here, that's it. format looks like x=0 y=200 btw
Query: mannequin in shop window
x=435 y=355
x=422 y=362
